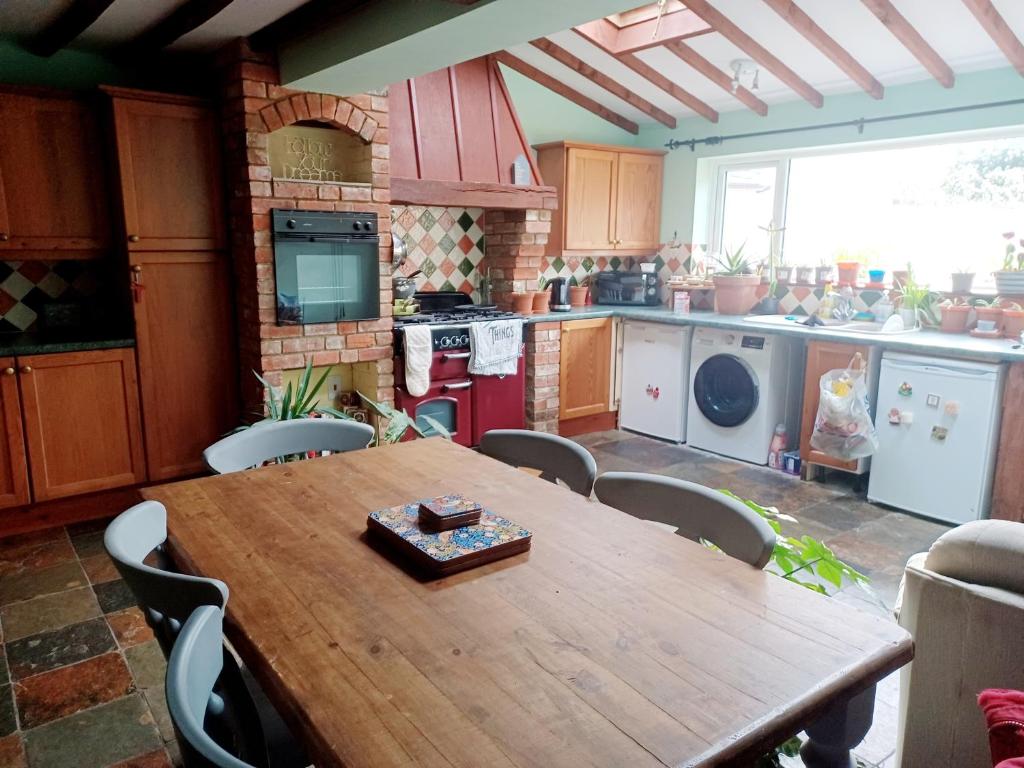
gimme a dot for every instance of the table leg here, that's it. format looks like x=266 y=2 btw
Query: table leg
x=840 y=729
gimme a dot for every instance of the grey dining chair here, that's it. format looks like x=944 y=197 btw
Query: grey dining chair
x=167 y=598
x=215 y=725
x=696 y=512
x=556 y=457
x=265 y=441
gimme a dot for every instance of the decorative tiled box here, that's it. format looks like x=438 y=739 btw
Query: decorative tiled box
x=447 y=552
x=446 y=512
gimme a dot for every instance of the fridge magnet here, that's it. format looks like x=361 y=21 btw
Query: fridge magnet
x=906 y=389
x=653 y=392
x=906 y=417
x=932 y=401
x=894 y=416
x=939 y=433
x=952 y=408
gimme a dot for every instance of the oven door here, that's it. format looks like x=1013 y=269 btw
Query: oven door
x=448 y=402
x=325 y=279
x=499 y=402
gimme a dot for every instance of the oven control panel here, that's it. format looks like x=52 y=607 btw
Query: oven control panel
x=450 y=338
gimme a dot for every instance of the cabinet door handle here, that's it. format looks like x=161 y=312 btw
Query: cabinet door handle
x=4 y=237
x=8 y=371
x=26 y=369
x=133 y=238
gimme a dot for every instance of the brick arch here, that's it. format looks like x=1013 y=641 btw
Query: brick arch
x=323 y=108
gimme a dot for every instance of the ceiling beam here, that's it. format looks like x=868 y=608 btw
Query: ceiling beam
x=563 y=90
x=72 y=22
x=821 y=40
x=178 y=23
x=999 y=31
x=653 y=76
x=647 y=34
x=904 y=31
x=755 y=50
x=715 y=75
x=562 y=56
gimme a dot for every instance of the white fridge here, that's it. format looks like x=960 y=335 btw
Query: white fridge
x=938 y=430
x=655 y=379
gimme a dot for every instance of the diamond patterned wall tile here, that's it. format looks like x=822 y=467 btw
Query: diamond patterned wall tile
x=26 y=287
x=447 y=244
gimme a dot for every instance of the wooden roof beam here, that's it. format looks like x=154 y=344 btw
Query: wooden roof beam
x=72 y=22
x=178 y=23
x=904 y=31
x=715 y=75
x=564 y=57
x=652 y=75
x=648 y=34
x=755 y=50
x=821 y=40
x=563 y=90
x=999 y=31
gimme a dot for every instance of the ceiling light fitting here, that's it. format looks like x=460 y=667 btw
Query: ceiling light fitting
x=742 y=69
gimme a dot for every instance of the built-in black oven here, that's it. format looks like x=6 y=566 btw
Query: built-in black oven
x=326 y=266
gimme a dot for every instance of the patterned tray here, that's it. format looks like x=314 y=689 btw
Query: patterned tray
x=446 y=552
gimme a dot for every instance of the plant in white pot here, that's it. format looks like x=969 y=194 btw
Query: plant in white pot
x=917 y=303
x=735 y=284
x=1010 y=279
x=963 y=280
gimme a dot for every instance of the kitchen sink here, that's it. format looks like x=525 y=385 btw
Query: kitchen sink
x=850 y=326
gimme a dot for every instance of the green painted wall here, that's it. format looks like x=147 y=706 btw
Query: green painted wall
x=67 y=68
x=683 y=180
x=546 y=116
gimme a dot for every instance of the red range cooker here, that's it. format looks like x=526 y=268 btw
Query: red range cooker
x=466 y=404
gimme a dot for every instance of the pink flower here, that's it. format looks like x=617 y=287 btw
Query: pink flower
x=1008 y=235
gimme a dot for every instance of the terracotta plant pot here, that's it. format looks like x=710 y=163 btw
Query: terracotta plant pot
x=1013 y=323
x=522 y=303
x=995 y=314
x=578 y=295
x=848 y=272
x=735 y=294
x=962 y=282
x=541 y=302
x=954 y=319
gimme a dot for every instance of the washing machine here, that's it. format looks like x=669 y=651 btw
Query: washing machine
x=742 y=385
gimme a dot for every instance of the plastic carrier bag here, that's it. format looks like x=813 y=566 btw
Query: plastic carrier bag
x=843 y=426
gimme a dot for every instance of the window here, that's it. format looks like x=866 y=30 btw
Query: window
x=941 y=207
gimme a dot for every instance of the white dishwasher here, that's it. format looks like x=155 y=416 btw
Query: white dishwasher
x=655 y=379
x=938 y=430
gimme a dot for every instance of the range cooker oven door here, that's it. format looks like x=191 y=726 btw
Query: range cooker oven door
x=326 y=279
x=499 y=402
x=448 y=402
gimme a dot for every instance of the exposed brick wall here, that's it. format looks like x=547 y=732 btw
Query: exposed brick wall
x=254 y=105
x=543 y=348
x=515 y=244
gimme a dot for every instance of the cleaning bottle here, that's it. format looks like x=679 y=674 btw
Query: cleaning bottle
x=779 y=445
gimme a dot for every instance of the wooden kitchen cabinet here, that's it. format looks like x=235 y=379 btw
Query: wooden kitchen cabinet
x=54 y=196
x=14 y=487
x=170 y=172
x=822 y=357
x=1008 y=490
x=609 y=198
x=82 y=426
x=585 y=368
x=185 y=337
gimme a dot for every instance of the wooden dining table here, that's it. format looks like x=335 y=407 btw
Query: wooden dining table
x=612 y=642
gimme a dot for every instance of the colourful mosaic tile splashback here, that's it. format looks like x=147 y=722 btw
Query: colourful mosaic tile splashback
x=26 y=287
x=446 y=243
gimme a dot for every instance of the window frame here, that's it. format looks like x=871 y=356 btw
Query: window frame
x=723 y=166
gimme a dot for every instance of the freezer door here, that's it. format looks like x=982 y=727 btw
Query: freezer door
x=654 y=381
x=937 y=425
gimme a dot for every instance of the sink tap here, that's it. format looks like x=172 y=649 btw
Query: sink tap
x=844 y=309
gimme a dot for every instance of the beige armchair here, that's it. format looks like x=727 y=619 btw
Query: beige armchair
x=963 y=602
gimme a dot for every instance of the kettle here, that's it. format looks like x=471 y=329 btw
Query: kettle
x=559 y=294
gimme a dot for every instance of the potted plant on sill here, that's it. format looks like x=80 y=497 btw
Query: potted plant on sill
x=1010 y=279
x=962 y=281
x=988 y=311
x=1013 y=319
x=823 y=272
x=956 y=312
x=577 y=292
x=735 y=285
x=804 y=275
x=916 y=302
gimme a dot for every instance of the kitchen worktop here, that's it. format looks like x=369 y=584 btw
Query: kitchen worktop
x=922 y=342
x=50 y=342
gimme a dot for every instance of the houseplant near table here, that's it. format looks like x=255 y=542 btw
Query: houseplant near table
x=735 y=286
x=956 y=313
x=1010 y=279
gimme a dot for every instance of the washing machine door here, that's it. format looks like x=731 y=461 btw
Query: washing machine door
x=725 y=390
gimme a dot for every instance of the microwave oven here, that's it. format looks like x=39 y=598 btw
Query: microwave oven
x=626 y=288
